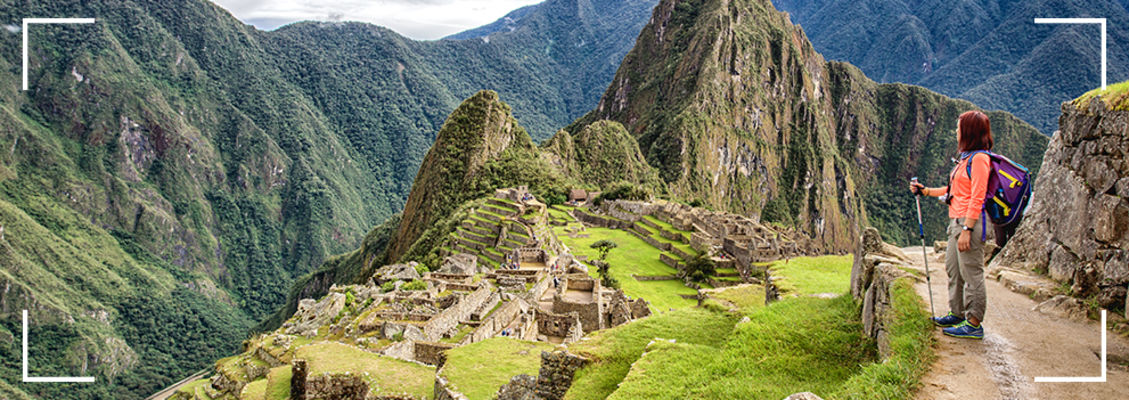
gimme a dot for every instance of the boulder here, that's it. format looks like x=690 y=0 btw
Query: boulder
x=1063 y=307
x=312 y=315
x=803 y=396
x=459 y=264
x=396 y=272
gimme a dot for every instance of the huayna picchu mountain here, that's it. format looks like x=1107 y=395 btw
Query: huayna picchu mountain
x=736 y=110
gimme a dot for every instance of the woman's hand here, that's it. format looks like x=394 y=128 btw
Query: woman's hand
x=917 y=188
x=964 y=241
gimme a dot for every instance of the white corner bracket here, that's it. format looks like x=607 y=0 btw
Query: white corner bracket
x=1081 y=379
x=48 y=379
x=29 y=21
x=1099 y=21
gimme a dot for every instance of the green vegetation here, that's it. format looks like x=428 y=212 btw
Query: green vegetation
x=802 y=344
x=415 y=284
x=614 y=350
x=384 y=375
x=1115 y=97
x=634 y=256
x=745 y=297
x=1042 y=67
x=813 y=275
x=700 y=267
x=796 y=344
x=471 y=372
x=911 y=340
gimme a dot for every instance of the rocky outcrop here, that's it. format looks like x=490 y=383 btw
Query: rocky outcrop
x=872 y=274
x=1077 y=228
x=311 y=314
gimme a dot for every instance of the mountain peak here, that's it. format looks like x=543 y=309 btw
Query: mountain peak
x=479 y=130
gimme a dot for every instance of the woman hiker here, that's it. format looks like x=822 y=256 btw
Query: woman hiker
x=964 y=256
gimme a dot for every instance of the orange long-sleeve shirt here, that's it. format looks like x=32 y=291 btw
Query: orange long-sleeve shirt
x=968 y=193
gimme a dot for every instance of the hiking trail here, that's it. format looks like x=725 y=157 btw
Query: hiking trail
x=1019 y=344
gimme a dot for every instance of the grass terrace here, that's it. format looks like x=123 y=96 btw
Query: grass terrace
x=633 y=256
x=384 y=375
x=477 y=370
x=793 y=345
x=813 y=275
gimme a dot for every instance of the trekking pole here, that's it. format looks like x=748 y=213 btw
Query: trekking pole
x=921 y=232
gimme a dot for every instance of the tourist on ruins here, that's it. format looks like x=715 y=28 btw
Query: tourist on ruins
x=964 y=257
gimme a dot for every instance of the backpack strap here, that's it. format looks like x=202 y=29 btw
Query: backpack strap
x=969 y=155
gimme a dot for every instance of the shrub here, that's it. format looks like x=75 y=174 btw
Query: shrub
x=415 y=284
x=388 y=286
x=700 y=268
x=422 y=269
x=624 y=191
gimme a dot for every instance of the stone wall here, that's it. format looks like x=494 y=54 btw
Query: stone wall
x=874 y=271
x=442 y=322
x=599 y=220
x=555 y=376
x=650 y=240
x=496 y=321
x=1077 y=227
x=554 y=324
x=671 y=261
x=431 y=352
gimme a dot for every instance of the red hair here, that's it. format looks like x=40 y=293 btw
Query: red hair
x=975 y=131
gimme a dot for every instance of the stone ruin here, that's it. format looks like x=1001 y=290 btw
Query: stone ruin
x=733 y=241
x=876 y=267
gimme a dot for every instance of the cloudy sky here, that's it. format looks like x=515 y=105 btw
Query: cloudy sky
x=417 y=19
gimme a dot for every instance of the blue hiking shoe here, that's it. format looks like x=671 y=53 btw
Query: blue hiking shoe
x=948 y=320
x=965 y=330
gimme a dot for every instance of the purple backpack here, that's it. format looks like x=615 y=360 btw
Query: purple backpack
x=1009 y=190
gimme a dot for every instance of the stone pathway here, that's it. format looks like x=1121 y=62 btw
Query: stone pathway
x=1020 y=344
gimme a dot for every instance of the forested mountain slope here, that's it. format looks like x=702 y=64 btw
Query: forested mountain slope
x=989 y=52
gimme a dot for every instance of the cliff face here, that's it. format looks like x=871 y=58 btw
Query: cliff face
x=734 y=107
x=1077 y=227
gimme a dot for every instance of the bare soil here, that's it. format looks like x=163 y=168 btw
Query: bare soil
x=1019 y=345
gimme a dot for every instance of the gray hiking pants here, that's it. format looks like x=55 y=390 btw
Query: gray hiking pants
x=967 y=294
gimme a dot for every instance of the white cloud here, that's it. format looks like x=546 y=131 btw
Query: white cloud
x=417 y=19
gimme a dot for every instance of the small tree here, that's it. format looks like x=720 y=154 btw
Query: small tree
x=700 y=267
x=604 y=246
x=606 y=279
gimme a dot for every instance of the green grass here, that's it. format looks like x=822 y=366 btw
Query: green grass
x=744 y=297
x=384 y=375
x=667 y=226
x=633 y=256
x=654 y=234
x=477 y=370
x=254 y=391
x=463 y=331
x=911 y=340
x=278 y=383
x=801 y=344
x=1115 y=96
x=196 y=388
x=614 y=350
x=812 y=275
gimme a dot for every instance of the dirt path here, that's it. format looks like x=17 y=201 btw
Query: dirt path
x=1019 y=345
